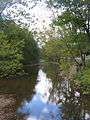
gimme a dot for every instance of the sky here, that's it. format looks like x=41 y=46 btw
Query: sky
x=36 y=17
x=47 y=110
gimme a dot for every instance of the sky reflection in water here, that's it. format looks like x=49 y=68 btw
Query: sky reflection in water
x=39 y=108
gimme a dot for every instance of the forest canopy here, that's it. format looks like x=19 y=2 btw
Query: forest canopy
x=17 y=49
x=71 y=48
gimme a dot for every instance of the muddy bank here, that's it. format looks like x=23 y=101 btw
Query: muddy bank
x=7 y=107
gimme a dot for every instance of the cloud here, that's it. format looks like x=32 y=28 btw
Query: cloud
x=35 y=16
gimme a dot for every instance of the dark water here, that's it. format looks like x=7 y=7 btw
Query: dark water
x=42 y=96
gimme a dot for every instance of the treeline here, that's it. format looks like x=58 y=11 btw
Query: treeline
x=71 y=47
x=18 y=49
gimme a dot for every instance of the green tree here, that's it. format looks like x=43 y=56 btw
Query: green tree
x=80 y=9
x=17 y=48
x=74 y=23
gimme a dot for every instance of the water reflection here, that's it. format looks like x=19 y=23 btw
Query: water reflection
x=13 y=92
x=39 y=108
x=75 y=106
x=41 y=98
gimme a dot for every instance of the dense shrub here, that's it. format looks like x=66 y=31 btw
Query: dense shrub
x=17 y=49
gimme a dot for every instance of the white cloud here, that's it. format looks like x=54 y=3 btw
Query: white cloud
x=37 y=18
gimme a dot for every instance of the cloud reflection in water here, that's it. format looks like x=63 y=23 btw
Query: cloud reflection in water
x=39 y=108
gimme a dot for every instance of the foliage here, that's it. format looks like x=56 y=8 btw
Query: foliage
x=10 y=55
x=83 y=78
x=51 y=50
x=3 y=5
x=17 y=48
x=78 y=12
x=73 y=45
x=66 y=50
x=75 y=27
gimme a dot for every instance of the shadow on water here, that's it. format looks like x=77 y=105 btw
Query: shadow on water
x=74 y=105
x=13 y=92
x=42 y=97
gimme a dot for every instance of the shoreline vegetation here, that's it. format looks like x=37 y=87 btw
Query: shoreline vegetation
x=64 y=56
x=67 y=43
x=18 y=49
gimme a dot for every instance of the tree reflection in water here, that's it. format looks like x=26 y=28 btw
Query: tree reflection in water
x=42 y=98
x=75 y=106
x=13 y=92
x=39 y=107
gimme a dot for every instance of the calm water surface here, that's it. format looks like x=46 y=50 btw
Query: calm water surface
x=39 y=107
x=41 y=97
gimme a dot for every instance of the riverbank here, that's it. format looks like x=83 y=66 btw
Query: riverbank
x=7 y=107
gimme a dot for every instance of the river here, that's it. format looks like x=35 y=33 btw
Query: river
x=41 y=97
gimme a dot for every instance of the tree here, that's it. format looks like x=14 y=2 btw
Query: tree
x=4 y=4
x=10 y=55
x=80 y=9
x=15 y=8
x=17 y=48
x=74 y=24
